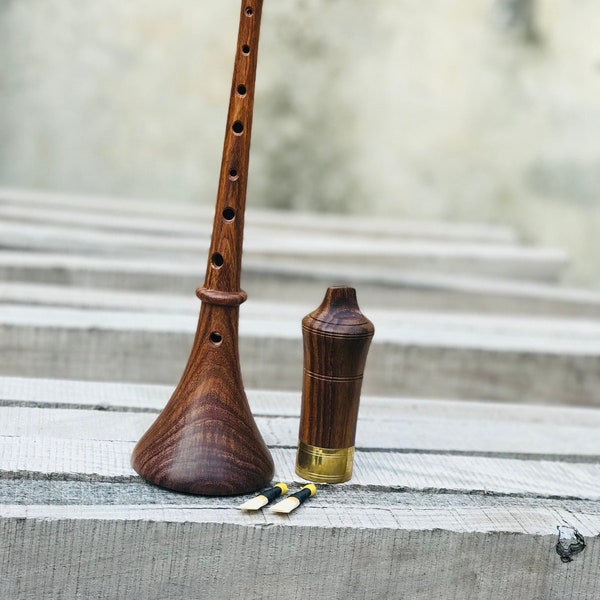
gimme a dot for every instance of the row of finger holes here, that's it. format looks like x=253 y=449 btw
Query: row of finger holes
x=249 y=12
x=238 y=126
x=217 y=259
x=229 y=213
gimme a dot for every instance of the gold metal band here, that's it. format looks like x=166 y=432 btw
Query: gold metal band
x=327 y=465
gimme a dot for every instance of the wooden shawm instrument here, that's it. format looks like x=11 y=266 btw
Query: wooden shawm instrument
x=206 y=441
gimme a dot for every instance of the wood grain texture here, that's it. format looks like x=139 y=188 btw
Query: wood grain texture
x=206 y=441
x=108 y=461
x=336 y=338
x=165 y=560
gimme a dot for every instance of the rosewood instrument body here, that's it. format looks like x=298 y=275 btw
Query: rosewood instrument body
x=206 y=441
x=337 y=337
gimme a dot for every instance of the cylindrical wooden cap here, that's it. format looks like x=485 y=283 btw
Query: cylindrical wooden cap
x=336 y=338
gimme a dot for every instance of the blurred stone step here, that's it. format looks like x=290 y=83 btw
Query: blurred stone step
x=176 y=218
x=291 y=281
x=421 y=354
x=543 y=264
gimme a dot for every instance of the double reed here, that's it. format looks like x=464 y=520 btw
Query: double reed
x=205 y=441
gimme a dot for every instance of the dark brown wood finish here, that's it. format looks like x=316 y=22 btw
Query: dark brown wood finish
x=206 y=441
x=336 y=337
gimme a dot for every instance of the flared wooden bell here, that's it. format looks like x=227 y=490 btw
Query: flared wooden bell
x=206 y=440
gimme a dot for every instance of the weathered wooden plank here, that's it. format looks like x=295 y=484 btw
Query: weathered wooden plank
x=118 y=212
x=543 y=264
x=85 y=459
x=448 y=507
x=67 y=393
x=393 y=429
x=413 y=354
x=55 y=556
x=77 y=522
x=135 y=397
x=450 y=514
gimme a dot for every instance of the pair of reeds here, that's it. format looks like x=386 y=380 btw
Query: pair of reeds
x=287 y=505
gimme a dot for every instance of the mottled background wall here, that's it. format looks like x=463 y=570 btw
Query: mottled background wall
x=473 y=110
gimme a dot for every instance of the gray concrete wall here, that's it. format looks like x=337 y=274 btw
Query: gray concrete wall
x=471 y=110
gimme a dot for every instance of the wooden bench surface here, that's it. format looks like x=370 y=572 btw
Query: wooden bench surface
x=449 y=499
